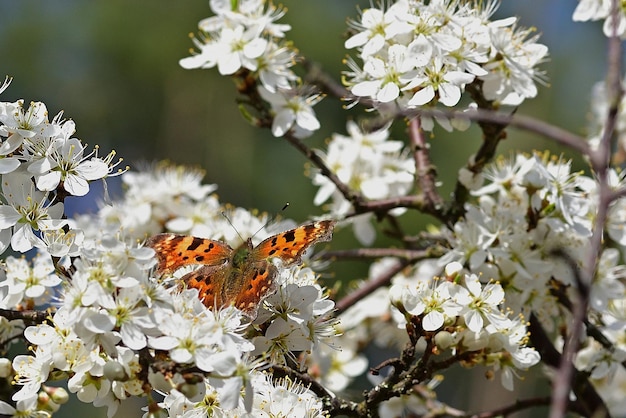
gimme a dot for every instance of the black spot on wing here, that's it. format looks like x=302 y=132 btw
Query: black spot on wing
x=195 y=243
x=290 y=235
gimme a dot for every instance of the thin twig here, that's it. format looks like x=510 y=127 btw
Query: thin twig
x=369 y=287
x=527 y=123
x=321 y=165
x=384 y=205
x=515 y=407
x=587 y=399
x=558 y=290
x=425 y=171
x=366 y=253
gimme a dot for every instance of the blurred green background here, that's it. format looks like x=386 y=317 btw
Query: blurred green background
x=113 y=67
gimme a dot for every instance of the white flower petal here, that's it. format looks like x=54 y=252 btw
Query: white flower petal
x=8 y=216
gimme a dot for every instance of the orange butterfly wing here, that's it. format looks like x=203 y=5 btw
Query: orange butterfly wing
x=175 y=251
x=290 y=245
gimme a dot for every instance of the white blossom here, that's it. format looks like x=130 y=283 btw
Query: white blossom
x=416 y=54
x=292 y=112
x=26 y=211
x=33 y=281
x=367 y=162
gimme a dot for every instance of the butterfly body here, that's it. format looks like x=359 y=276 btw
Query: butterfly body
x=242 y=276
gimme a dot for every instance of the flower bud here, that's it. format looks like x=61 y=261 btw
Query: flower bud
x=189 y=390
x=45 y=403
x=396 y=293
x=5 y=368
x=114 y=371
x=444 y=340
x=57 y=395
x=453 y=269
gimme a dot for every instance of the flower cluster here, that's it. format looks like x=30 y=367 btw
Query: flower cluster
x=110 y=311
x=28 y=284
x=456 y=313
x=368 y=163
x=113 y=316
x=41 y=163
x=163 y=196
x=418 y=53
x=530 y=208
x=271 y=398
x=244 y=40
x=466 y=317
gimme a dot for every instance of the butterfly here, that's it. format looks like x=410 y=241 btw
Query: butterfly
x=243 y=276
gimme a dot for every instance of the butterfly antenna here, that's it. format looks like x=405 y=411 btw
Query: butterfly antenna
x=270 y=220
x=233 y=226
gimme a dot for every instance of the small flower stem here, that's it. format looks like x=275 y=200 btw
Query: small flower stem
x=425 y=171
x=327 y=84
x=319 y=163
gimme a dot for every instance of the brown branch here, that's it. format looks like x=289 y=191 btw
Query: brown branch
x=600 y=162
x=321 y=165
x=561 y=136
x=383 y=205
x=493 y=134
x=527 y=123
x=327 y=84
x=600 y=159
x=563 y=379
x=559 y=290
x=369 y=287
x=360 y=205
x=29 y=317
x=365 y=253
x=425 y=171
x=515 y=407
x=587 y=399
x=387 y=389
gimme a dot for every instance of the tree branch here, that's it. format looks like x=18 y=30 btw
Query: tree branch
x=364 y=253
x=425 y=171
x=30 y=317
x=369 y=287
x=587 y=399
